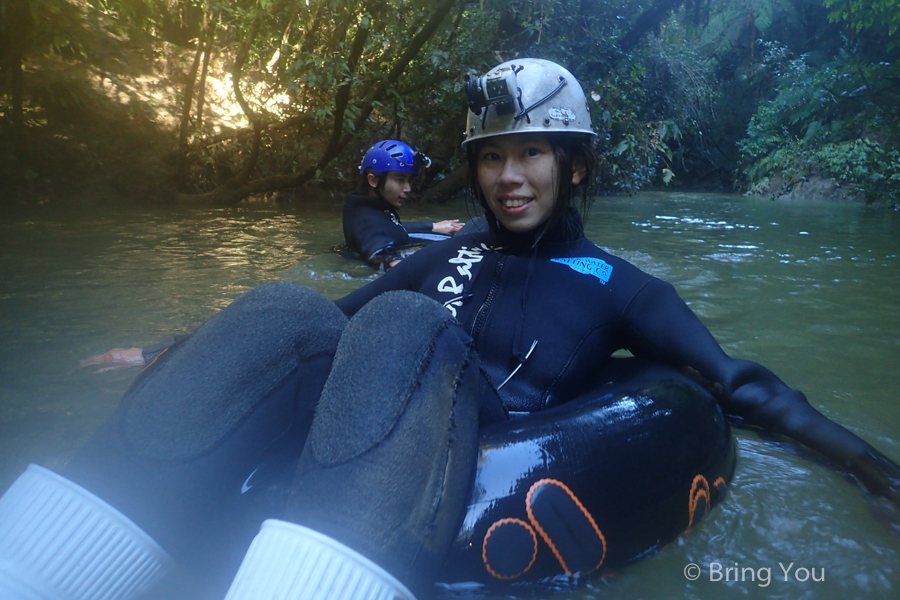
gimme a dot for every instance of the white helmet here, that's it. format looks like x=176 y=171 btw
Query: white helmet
x=525 y=95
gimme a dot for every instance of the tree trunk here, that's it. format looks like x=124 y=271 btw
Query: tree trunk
x=16 y=29
x=189 y=96
x=342 y=98
x=648 y=21
x=17 y=94
x=448 y=187
x=201 y=93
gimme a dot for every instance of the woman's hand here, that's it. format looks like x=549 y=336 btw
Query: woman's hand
x=126 y=356
x=447 y=227
x=878 y=474
x=789 y=413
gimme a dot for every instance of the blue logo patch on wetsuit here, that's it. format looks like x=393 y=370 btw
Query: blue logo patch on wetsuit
x=589 y=266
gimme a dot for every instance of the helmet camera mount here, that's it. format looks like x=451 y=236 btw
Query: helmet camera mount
x=497 y=87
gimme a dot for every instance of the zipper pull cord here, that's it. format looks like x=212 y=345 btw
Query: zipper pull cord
x=521 y=362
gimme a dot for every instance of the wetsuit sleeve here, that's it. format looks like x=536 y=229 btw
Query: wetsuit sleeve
x=661 y=326
x=418 y=226
x=153 y=350
x=397 y=278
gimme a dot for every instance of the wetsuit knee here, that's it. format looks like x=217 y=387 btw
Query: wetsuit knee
x=227 y=366
x=391 y=454
x=243 y=386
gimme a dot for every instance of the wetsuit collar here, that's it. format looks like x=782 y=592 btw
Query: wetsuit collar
x=369 y=201
x=544 y=239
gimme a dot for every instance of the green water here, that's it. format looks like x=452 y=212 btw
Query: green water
x=811 y=290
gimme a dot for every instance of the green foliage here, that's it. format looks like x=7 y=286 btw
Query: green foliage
x=633 y=153
x=337 y=67
x=865 y=163
x=830 y=122
x=741 y=23
x=881 y=16
x=671 y=85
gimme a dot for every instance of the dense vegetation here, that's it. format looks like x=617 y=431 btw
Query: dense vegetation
x=201 y=101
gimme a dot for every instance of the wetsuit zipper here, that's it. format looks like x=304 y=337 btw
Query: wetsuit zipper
x=492 y=294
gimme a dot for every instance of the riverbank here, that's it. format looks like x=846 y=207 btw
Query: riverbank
x=809 y=188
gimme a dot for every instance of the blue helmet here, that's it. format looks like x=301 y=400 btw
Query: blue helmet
x=393 y=155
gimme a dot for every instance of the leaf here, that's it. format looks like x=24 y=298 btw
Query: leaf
x=811 y=131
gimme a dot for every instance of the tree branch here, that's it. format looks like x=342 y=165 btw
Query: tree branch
x=342 y=97
x=238 y=67
x=412 y=49
x=296 y=121
x=228 y=194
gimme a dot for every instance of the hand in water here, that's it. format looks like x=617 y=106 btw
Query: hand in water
x=118 y=356
x=879 y=475
x=447 y=227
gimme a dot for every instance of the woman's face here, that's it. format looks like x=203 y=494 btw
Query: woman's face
x=518 y=175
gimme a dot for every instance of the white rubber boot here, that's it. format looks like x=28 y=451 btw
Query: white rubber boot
x=291 y=562
x=60 y=542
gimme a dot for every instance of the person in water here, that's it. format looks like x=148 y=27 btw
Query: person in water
x=375 y=401
x=371 y=222
x=372 y=226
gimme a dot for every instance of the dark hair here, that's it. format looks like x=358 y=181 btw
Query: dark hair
x=568 y=149
x=363 y=187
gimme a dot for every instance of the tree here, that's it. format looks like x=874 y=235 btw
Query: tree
x=337 y=61
x=270 y=95
x=29 y=27
x=874 y=16
x=838 y=121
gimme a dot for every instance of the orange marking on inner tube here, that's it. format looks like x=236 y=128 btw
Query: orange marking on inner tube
x=544 y=534
x=699 y=489
x=490 y=530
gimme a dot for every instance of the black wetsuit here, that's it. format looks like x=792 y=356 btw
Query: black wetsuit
x=577 y=302
x=580 y=304
x=148 y=353
x=373 y=229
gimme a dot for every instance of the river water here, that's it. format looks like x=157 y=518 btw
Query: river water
x=811 y=290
